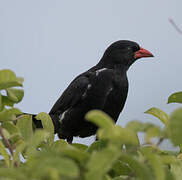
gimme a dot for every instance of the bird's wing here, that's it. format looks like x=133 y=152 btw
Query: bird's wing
x=72 y=95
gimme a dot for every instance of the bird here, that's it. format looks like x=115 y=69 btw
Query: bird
x=103 y=87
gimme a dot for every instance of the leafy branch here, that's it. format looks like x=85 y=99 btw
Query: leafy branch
x=7 y=144
x=118 y=153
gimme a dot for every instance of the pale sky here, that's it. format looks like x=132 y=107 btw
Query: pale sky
x=49 y=42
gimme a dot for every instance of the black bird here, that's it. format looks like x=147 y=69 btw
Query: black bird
x=103 y=87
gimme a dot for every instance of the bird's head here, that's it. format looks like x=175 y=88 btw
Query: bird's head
x=125 y=53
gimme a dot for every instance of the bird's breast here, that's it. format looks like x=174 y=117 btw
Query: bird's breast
x=117 y=97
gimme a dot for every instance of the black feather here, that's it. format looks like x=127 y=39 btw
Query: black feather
x=103 y=87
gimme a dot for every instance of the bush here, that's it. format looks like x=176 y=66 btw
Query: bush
x=118 y=154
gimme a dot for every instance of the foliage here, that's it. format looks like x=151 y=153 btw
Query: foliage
x=117 y=155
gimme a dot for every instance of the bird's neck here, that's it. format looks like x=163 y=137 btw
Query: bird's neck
x=103 y=63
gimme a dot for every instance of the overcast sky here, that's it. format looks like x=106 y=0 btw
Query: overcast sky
x=49 y=42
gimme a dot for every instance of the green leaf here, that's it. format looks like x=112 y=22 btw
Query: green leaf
x=151 y=133
x=47 y=125
x=7 y=102
x=76 y=154
x=20 y=79
x=2 y=164
x=159 y=114
x=15 y=139
x=119 y=169
x=71 y=151
x=1 y=103
x=38 y=137
x=80 y=146
x=8 y=79
x=15 y=111
x=155 y=162
x=24 y=125
x=106 y=177
x=14 y=136
x=176 y=170
x=175 y=127
x=108 y=130
x=4 y=153
x=52 y=161
x=100 y=118
x=59 y=144
x=140 y=169
x=168 y=159
x=9 y=114
x=15 y=95
x=97 y=146
x=19 y=149
x=119 y=136
x=175 y=98
x=6 y=133
x=13 y=174
x=137 y=126
x=168 y=174
x=66 y=167
x=101 y=162
x=10 y=127
x=124 y=178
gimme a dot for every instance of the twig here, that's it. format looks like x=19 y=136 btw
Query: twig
x=7 y=144
x=175 y=26
x=160 y=141
x=155 y=145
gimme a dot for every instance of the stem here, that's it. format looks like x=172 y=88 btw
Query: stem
x=160 y=141
x=7 y=144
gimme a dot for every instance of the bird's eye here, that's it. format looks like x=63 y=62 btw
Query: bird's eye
x=135 y=48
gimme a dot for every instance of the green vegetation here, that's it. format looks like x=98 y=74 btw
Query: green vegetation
x=118 y=154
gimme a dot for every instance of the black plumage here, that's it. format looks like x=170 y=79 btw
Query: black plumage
x=103 y=87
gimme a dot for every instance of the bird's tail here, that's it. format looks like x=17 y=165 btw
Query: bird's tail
x=37 y=124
